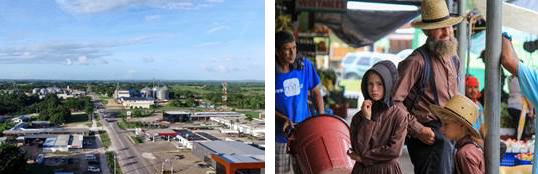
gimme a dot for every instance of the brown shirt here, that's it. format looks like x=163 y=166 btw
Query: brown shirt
x=446 y=81
x=469 y=157
x=381 y=140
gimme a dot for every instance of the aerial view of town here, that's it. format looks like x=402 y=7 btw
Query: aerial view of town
x=132 y=87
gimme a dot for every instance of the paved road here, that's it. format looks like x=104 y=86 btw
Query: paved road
x=129 y=158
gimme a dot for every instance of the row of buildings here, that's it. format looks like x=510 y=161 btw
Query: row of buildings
x=160 y=93
x=143 y=99
x=60 y=92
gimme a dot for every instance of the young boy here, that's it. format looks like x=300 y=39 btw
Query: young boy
x=457 y=117
x=378 y=131
x=472 y=91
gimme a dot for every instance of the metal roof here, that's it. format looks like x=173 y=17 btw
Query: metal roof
x=231 y=147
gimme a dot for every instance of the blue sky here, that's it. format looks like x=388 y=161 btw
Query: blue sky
x=132 y=39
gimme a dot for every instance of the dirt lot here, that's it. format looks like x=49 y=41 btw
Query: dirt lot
x=183 y=160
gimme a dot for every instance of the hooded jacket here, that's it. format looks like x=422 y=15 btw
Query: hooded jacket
x=379 y=141
x=389 y=75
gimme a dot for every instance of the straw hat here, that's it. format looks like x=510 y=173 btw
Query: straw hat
x=458 y=108
x=435 y=15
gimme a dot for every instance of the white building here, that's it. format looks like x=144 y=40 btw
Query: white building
x=122 y=94
x=137 y=102
x=255 y=127
x=64 y=96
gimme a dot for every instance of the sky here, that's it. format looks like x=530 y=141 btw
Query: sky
x=132 y=39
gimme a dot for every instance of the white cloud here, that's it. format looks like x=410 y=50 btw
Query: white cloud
x=63 y=52
x=92 y=6
x=68 y=62
x=151 y=18
x=205 y=44
x=217 y=28
x=83 y=60
x=97 y=6
x=222 y=68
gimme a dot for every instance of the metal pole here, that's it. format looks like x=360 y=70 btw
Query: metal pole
x=493 y=90
x=114 y=153
x=172 y=167
x=462 y=38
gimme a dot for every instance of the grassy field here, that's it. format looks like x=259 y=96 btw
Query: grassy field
x=194 y=89
x=77 y=118
x=127 y=125
x=251 y=114
x=137 y=140
x=110 y=159
x=252 y=90
x=105 y=140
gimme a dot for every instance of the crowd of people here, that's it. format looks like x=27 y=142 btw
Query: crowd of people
x=418 y=103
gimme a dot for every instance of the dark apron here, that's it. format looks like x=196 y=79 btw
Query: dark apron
x=431 y=159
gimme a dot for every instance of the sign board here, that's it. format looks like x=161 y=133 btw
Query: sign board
x=322 y=5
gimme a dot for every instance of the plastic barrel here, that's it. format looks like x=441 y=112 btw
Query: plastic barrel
x=320 y=144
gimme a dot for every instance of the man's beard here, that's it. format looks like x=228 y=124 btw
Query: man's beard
x=444 y=48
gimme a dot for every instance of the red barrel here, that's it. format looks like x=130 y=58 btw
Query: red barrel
x=320 y=145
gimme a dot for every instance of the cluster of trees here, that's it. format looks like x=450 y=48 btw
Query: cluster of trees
x=79 y=104
x=137 y=112
x=50 y=108
x=188 y=102
x=13 y=159
x=15 y=103
x=246 y=101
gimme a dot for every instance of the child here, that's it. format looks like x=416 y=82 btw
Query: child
x=457 y=116
x=378 y=131
x=472 y=91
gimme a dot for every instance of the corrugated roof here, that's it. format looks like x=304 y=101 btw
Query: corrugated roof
x=232 y=147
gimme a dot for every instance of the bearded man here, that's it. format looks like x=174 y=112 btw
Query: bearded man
x=428 y=148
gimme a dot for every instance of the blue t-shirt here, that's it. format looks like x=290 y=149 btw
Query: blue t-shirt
x=528 y=82
x=292 y=95
x=480 y=119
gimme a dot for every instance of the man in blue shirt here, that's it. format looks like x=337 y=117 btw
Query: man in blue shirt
x=295 y=79
x=528 y=78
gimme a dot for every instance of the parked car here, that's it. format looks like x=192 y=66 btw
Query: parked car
x=354 y=65
x=94 y=169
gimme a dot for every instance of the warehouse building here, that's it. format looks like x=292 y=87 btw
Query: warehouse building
x=230 y=156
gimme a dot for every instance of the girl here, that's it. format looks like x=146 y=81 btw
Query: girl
x=457 y=116
x=378 y=131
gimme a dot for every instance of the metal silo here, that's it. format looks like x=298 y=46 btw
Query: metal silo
x=162 y=93
x=146 y=92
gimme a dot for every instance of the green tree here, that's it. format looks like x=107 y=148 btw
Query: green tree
x=13 y=159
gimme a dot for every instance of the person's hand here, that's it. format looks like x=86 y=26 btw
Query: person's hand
x=352 y=155
x=366 y=109
x=287 y=124
x=427 y=136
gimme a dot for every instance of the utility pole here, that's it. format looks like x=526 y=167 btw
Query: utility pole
x=114 y=153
